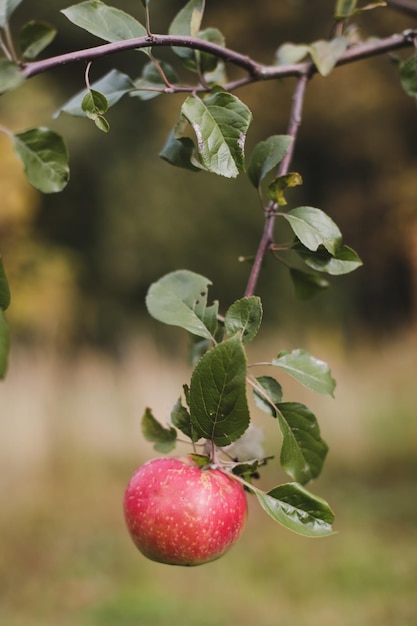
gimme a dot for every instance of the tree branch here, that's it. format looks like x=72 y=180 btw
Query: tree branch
x=409 y=7
x=270 y=217
x=256 y=71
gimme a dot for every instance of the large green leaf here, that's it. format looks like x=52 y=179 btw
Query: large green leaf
x=10 y=75
x=218 y=405
x=45 y=158
x=4 y=288
x=114 y=85
x=187 y=23
x=266 y=155
x=180 y=299
x=220 y=123
x=326 y=54
x=35 y=36
x=4 y=344
x=6 y=9
x=343 y=261
x=303 y=450
x=164 y=439
x=314 y=228
x=298 y=510
x=309 y=371
x=105 y=22
x=244 y=316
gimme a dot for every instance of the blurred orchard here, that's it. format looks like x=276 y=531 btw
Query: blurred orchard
x=86 y=359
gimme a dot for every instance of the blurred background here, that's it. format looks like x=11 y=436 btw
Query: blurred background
x=87 y=360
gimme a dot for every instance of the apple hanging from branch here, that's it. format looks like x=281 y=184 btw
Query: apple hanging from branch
x=180 y=514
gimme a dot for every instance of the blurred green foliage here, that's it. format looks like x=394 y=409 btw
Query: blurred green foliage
x=127 y=217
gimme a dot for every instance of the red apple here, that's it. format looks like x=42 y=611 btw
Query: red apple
x=180 y=514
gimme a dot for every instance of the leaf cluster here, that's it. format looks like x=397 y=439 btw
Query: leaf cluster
x=213 y=411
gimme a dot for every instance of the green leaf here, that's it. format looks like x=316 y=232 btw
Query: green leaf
x=408 y=75
x=343 y=261
x=34 y=37
x=152 y=79
x=4 y=288
x=7 y=7
x=180 y=417
x=101 y=123
x=290 y=53
x=179 y=151
x=298 y=510
x=309 y=371
x=218 y=405
x=244 y=316
x=220 y=123
x=348 y=8
x=306 y=284
x=345 y=9
x=277 y=187
x=326 y=54
x=105 y=22
x=164 y=439
x=10 y=75
x=4 y=344
x=45 y=158
x=202 y=460
x=94 y=103
x=113 y=86
x=180 y=299
x=268 y=395
x=208 y=62
x=371 y=6
x=314 y=228
x=187 y=23
x=266 y=156
x=303 y=450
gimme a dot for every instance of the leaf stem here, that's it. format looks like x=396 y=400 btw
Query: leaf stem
x=271 y=210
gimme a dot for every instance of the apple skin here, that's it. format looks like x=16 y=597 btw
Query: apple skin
x=179 y=514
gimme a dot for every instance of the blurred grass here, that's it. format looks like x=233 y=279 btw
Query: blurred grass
x=70 y=438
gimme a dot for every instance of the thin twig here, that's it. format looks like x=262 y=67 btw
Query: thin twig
x=270 y=215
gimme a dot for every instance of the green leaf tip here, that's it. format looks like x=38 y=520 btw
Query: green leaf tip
x=4 y=288
x=164 y=439
x=308 y=370
x=292 y=506
x=4 y=344
x=180 y=299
